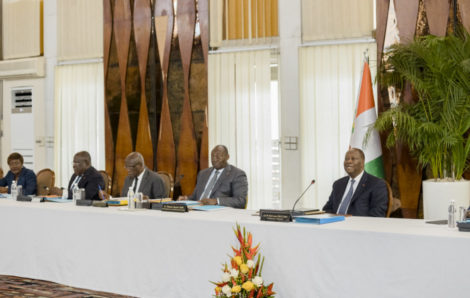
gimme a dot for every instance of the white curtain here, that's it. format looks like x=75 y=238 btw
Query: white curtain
x=79 y=29
x=79 y=117
x=336 y=19
x=22 y=25
x=240 y=112
x=329 y=86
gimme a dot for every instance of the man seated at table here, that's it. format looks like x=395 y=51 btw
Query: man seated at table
x=141 y=179
x=85 y=176
x=23 y=176
x=359 y=193
x=221 y=184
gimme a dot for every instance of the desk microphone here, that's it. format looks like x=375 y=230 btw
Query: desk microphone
x=298 y=199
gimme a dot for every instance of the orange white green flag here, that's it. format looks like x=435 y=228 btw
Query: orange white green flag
x=365 y=118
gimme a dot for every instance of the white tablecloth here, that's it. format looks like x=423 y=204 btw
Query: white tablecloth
x=159 y=254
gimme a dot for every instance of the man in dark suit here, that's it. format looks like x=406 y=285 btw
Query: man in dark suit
x=221 y=184
x=358 y=193
x=85 y=176
x=141 y=179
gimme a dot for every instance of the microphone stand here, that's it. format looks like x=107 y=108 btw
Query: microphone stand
x=298 y=199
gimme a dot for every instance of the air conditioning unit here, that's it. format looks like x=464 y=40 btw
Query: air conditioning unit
x=23 y=68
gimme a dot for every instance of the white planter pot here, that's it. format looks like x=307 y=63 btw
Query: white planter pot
x=437 y=196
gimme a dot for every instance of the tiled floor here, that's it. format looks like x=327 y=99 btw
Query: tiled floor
x=13 y=286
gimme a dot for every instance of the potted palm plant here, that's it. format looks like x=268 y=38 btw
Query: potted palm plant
x=436 y=127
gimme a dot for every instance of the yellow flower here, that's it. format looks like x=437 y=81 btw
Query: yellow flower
x=244 y=268
x=248 y=286
x=236 y=289
x=238 y=260
x=218 y=290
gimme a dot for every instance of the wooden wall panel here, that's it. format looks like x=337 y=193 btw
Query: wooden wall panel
x=187 y=157
x=122 y=30
x=437 y=12
x=108 y=133
x=464 y=6
x=203 y=11
x=164 y=20
x=407 y=15
x=142 y=27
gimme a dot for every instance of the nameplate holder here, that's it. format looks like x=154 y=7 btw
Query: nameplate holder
x=175 y=207
x=84 y=202
x=99 y=204
x=275 y=215
x=157 y=206
x=24 y=199
x=143 y=205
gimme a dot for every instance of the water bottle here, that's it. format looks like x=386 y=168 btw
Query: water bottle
x=451 y=220
x=130 y=198
x=14 y=190
x=76 y=194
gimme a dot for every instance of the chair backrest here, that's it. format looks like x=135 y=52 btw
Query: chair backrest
x=1 y=173
x=45 y=182
x=107 y=181
x=390 y=199
x=168 y=182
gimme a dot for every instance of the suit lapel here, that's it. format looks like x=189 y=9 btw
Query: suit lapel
x=143 y=183
x=360 y=187
x=225 y=173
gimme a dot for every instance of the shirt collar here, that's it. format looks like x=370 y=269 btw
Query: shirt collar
x=357 y=178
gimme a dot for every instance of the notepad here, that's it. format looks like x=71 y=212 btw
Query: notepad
x=319 y=219
x=208 y=207
x=57 y=200
x=188 y=202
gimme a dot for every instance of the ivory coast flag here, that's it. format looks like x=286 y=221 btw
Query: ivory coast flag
x=365 y=118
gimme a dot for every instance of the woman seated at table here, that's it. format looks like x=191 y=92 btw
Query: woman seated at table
x=23 y=176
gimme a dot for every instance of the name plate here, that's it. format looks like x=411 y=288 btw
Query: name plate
x=275 y=215
x=100 y=204
x=24 y=199
x=175 y=207
x=84 y=202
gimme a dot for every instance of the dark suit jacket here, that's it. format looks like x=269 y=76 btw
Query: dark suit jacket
x=369 y=199
x=151 y=185
x=91 y=181
x=27 y=179
x=231 y=188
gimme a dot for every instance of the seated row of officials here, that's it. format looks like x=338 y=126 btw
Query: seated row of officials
x=359 y=193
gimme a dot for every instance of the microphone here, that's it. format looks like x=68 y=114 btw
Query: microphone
x=298 y=199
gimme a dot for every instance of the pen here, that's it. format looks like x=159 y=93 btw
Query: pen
x=99 y=193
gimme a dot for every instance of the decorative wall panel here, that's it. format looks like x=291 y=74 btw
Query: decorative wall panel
x=79 y=29
x=22 y=28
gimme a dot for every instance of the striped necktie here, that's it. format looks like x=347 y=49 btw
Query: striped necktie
x=343 y=208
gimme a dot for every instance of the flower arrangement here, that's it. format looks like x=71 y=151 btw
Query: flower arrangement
x=243 y=277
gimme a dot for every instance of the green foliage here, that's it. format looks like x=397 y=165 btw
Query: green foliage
x=436 y=128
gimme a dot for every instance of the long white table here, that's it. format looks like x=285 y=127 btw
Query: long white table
x=160 y=254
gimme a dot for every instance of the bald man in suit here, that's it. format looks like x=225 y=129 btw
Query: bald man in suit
x=222 y=184
x=359 y=193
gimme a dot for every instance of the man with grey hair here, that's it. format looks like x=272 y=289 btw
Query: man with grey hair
x=141 y=179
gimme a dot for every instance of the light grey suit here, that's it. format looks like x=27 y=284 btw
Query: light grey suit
x=151 y=185
x=231 y=188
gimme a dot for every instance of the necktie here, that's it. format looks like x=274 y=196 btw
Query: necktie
x=135 y=183
x=210 y=185
x=345 y=204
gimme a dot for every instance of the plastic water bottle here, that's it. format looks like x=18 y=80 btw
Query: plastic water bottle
x=130 y=199
x=75 y=193
x=451 y=220
x=14 y=190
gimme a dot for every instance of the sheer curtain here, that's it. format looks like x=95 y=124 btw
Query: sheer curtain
x=79 y=116
x=240 y=112
x=329 y=86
